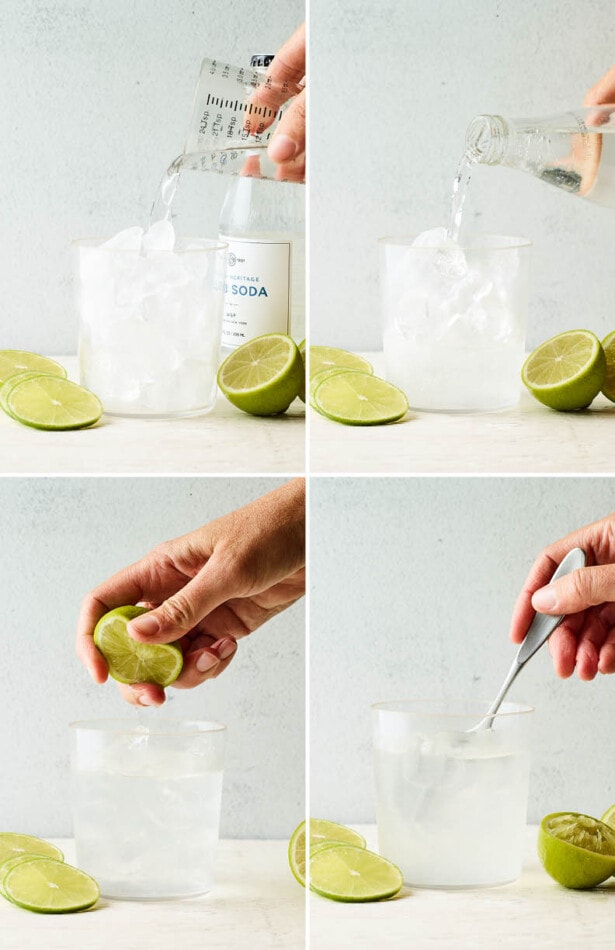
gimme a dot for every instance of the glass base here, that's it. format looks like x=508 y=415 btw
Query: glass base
x=180 y=414
x=110 y=895
x=460 y=887
x=466 y=412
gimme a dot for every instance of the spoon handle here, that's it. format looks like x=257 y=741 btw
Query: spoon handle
x=539 y=631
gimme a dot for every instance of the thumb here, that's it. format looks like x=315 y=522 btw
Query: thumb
x=186 y=608
x=584 y=588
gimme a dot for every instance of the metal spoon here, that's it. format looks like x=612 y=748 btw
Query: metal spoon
x=540 y=629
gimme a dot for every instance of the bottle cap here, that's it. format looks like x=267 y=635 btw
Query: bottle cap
x=261 y=59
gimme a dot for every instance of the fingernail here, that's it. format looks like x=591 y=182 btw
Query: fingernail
x=145 y=700
x=206 y=661
x=144 y=626
x=544 y=599
x=282 y=149
x=227 y=649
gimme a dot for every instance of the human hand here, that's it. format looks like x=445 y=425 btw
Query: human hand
x=585 y=640
x=207 y=589
x=287 y=146
x=602 y=92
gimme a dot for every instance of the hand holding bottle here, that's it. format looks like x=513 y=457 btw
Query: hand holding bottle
x=585 y=640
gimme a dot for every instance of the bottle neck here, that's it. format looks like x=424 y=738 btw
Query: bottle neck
x=488 y=139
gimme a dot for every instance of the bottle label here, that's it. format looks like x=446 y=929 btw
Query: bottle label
x=256 y=289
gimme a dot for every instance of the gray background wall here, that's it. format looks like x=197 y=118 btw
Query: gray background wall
x=393 y=87
x=412 y=587
x=95 y=100
x=61 y=537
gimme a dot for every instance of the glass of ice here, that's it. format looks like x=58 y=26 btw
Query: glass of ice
x=451 y=804
x=150 y=323
x=146 y=805
x=454 y=319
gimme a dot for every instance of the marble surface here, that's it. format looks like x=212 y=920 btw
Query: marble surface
x=255 y=903
x=534 y=913
x=226 y=442
x=527 y=439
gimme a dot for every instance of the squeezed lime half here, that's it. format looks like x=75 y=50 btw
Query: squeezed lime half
x=578 y=851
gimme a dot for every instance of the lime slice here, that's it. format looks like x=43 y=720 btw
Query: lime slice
x=11 y=863
x=130 y=661
x=566 y=372
x=352 y=874
x=321 y=832
x=7 y=387
x=20 y=361
x=263 y=376
x=327 y=357
x=50 y=887
x=609 y=817
x=608 y=345
x=358 y=399
x=12 y=845
x=576 y=850
x=47 y=402
x=318 y=377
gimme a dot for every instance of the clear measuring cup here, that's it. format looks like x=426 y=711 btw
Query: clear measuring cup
x=235 y=112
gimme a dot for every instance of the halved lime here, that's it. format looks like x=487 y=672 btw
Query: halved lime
x=48 y=402
x=576 y=850
x=301 y=347
x=566 y=372
x=609 y=817
x=608 y=387
x=351 y=874
x=7 y=387
x=11 y=863
x=326 y=357
x=20 y=361
x=359 y=399
x=263 y=376
x=50 y=887
x=130 y=661
x=321 y=832
x=12 y=845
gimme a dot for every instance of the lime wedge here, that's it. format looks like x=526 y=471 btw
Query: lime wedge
x=358 y=399
x=263 y=376
x=322 y=832
x=327 y=357
x=130 y=661
x=13 y=845
x=48 y=402
x=608 y=345
x=50 y=887
x=351 y=874
x=20 y=361
x=566 y=372
x=11 y=863
x=576 y=850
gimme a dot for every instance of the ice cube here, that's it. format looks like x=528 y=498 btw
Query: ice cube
x=434 y=237
x=160 y=236
x=127 y=240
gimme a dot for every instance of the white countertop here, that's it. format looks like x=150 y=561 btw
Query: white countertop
x=527 y=439
x=226 y=441
x=255 y=903
x=534 y=913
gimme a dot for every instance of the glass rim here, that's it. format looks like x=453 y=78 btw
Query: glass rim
x=474 y=711
x=131 y=727
x=406 y=240
x=211 y=244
